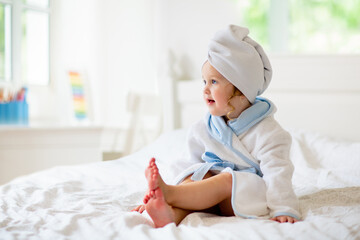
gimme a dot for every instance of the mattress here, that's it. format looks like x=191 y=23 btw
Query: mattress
x=94 y=201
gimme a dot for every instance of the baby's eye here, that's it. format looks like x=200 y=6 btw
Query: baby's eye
x=204 y=82
x=213 y=81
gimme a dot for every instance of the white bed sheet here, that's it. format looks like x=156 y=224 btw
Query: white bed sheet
x=93 y=201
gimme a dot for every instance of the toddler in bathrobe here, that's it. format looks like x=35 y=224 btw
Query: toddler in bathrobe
x=238 y=163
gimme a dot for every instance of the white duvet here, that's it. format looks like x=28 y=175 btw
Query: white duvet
x=93 y=201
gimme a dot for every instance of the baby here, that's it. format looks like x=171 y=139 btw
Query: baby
x=238 y=163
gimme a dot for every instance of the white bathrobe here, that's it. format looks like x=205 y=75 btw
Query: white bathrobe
x=258 y=160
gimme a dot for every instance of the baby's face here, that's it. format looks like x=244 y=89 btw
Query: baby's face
x=217 y=91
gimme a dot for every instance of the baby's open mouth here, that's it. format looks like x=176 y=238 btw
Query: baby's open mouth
x=210 y=101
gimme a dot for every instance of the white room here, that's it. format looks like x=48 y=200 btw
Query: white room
x=91 y=90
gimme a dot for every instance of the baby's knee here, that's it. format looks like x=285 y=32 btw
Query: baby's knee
x=227 y=177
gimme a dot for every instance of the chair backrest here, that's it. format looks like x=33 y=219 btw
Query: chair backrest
x=146 y=120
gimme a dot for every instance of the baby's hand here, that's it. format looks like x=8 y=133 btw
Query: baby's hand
x=283 y=219
x=139 y=209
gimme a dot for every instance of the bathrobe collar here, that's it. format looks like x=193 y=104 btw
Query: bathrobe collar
x=223 y=131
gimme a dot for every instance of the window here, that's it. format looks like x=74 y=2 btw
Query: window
x=304 y=26
x=24 y=42
x=5 y=42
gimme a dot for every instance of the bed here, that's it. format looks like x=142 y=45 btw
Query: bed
x=93 y=201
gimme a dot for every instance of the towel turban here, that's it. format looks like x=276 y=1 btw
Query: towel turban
x=241 y=60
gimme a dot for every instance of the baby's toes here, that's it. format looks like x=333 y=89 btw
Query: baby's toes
x=146 y=198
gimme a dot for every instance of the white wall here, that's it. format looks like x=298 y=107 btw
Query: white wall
x=137 y=36
x=111 y=43
x=76 y=45
x=129 y=48
x=186 y=26
x=120 y=46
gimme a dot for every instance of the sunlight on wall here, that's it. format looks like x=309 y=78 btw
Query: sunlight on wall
x=121 y=44
x=128 y=53
x=312 y=26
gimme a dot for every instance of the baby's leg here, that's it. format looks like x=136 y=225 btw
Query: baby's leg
x=202 y=194
x=156 y=204
x=192 y=196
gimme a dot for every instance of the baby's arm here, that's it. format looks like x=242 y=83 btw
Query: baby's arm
x=273 y=144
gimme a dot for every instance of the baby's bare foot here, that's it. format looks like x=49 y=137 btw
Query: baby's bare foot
x=160 y=212
x=152 y=175
x=154 y=180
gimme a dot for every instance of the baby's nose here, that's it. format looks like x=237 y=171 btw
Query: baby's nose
x=206 y=89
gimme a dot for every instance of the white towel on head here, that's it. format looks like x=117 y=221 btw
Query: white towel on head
x=241 y=60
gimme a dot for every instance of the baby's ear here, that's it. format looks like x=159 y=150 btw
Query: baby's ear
x=237 y=99
x=243 y=98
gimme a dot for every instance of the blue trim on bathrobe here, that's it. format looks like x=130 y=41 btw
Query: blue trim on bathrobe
x=223 y=132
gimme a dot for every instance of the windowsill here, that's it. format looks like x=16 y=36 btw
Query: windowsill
x=50 y=126
x=51 y=136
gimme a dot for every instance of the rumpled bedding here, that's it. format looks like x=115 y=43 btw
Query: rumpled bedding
x=93 y=201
